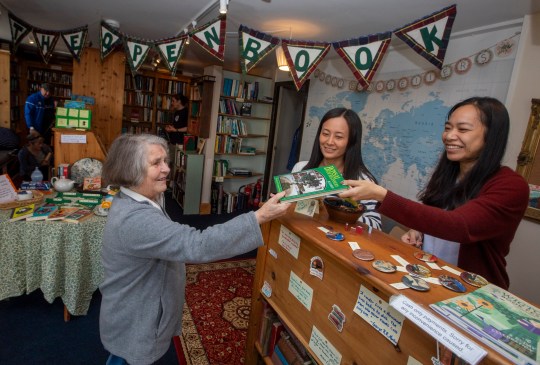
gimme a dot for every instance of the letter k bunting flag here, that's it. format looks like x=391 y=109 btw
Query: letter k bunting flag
x=364 y=55
x=303 y=57
x=254 y=46
x=430 y=35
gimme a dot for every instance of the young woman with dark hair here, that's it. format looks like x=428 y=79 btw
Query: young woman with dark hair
x=472 y=205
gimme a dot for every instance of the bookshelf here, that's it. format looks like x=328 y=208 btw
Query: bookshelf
x=201 y=92
x=58 y=77
x=243 y=126
x=187 y=173
x=16 y=106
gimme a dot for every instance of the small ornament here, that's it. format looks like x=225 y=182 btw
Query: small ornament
x=483 y=57
x=463 y=66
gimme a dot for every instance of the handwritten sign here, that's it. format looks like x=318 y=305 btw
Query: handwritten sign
x=379 y=314
x=301 y=290
x=326 y=352
x=7 y=189
x=73 y=138
x=448 y=336
x=289 y=241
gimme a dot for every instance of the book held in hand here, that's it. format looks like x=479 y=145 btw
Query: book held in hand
x=20 y=213
x=311 y=183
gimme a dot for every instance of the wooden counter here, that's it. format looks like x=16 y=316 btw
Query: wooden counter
x=72 y=152
x=359 y=342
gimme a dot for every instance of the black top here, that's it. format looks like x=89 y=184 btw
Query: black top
x=180 y=120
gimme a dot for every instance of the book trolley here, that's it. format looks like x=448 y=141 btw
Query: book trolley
x=306 y=303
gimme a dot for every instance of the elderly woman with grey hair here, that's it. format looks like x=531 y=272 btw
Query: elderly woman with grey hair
x=144 y=252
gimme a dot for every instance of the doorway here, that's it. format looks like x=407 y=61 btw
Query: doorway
x=287 y=125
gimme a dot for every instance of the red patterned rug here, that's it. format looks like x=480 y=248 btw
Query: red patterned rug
x=216 y=313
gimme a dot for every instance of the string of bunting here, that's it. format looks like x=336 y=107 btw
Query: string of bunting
x=428 y=36
x=462 y=66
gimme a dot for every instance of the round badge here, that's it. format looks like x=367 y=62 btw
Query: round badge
x=452 y=283
x=335 y=236
x=363 y=255
x=418 y=270
x=384 y=266
x=415 y=283
x=473 y=279
x=424 y=256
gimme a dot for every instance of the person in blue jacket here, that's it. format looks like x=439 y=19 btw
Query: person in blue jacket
x=39 y=112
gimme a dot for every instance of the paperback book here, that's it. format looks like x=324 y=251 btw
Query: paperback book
x=20 y=213
x=79 y=216
x=499 y=319
x=43 y=212
x=62 y=213
x=311 y=183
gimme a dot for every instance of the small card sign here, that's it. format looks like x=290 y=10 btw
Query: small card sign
x=7 y=189
x=301 y=291
x=322 y=347
x=289 y=241
x=73 y=138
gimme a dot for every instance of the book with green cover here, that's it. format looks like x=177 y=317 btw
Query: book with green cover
x=501 y=320
x=311 y=183
x=23 y=212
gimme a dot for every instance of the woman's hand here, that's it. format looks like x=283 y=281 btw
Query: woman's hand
x=363 y=190
x=272 y=208
x=413 y=238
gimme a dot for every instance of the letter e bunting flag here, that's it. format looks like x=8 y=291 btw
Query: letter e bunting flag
x=75 y=40
x=254 y=46
x=430 y=35
x=212 y=37
x=109 y=39
x=136 y=51
x=171 y=50
x=364 y=55
x=303 y=57
x=19 y=30
x=46 y=41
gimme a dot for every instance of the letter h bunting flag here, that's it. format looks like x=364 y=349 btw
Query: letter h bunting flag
x=364 y=55
x=430 y=35
x=303 y=57
x=254 y=46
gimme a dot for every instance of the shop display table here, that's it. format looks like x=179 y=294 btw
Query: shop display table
x=62 y=259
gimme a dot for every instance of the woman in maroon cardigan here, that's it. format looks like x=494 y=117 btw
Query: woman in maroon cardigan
x=472 y=205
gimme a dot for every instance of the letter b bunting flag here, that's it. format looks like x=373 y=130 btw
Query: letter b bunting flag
x=254 y=46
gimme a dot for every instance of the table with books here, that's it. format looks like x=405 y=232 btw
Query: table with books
x=60 y=258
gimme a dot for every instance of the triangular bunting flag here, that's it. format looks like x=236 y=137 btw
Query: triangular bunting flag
x=19 y=30
x=75 y=40
x=303 y=58
x=46 y=41
x=171 y=51
x=136 y=52
x=211 y=37
x=363 y=55
x=109 y=39
x=430 y=35
x=254 y=46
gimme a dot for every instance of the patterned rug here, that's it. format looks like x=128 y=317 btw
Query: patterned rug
x=216 y=313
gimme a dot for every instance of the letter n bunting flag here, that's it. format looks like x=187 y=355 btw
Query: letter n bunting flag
x=171 y=51
x=364 y=55
x=303 y=57
x=254 y=46
x=430 y=35
x=136 y=52
x=212 y=37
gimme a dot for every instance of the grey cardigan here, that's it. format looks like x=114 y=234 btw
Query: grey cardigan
x=143 y=258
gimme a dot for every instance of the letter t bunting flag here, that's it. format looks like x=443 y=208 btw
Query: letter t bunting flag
x=364 y=55
x=430 y=35
x=303 y=58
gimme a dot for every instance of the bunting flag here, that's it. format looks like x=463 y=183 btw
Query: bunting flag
x=430 y=35
x=109 y=39
x=75 y=40
x=303 y=57
x=364 y=55
x=136 y=51
x=171 y=51
x=254 y=46
x=46 y=41
x=211 y=37
x=19 y=30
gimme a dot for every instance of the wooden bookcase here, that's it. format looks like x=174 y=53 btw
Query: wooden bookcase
x=242 y=128
x=279 y=269
x=200 y=99
x=187 y=177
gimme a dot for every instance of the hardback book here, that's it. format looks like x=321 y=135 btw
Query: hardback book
x=311 y=183
x=275 y=332
x=43 y=212
x=62 y=212
x=79 y=216
x=20 y=213
x=92 y=183
x=499 y=319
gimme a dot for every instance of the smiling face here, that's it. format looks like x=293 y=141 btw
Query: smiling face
x=155 y=181
x=333 y=141
x=464 y=137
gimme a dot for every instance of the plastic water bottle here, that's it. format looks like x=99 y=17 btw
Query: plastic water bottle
x=37 y=176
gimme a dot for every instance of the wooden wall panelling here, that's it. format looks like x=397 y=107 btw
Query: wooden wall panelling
x=4 y=89
x=103 y=81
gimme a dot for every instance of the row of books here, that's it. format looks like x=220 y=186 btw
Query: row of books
x=239 y=89
x=172 y=87
x=139 y=99
x=139 y=82
x=49 y=76
x=222 y=201
x=232 y=145
x=50 y=212
x=135 y=130
x=228 y=106
x=64 y=92
x=135 y=115
x=235 y=127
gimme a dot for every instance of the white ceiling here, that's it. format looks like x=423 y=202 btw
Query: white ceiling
x=315 y=20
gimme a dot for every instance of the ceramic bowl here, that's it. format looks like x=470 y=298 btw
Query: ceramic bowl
x=342 y=211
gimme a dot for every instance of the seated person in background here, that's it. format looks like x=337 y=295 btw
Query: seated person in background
x=472 y=205
x=339 y=143
x=35 y=154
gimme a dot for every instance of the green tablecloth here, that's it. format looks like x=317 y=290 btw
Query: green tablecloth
x=62 y=259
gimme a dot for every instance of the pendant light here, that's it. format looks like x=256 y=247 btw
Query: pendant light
x=281 y=59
